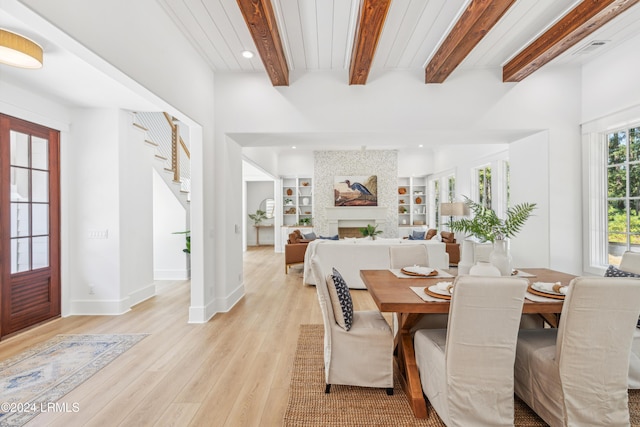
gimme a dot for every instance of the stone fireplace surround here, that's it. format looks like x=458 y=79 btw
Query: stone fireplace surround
x=353 y=217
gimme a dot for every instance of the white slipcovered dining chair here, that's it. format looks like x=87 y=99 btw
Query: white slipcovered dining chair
x=466 y=371
x=630 y=262
x=407 y=255
x=361 y=356
x=576 y=375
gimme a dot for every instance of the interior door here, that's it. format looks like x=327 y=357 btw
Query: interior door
x=29 y=224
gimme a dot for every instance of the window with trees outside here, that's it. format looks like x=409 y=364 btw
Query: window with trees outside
x=623 y=192
x=484 y=186
x=436 y=204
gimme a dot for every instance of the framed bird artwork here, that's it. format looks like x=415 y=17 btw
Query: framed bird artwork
x=355 y=190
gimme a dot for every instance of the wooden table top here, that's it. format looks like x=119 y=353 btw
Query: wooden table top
x=393 y=294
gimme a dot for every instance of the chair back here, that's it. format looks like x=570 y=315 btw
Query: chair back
x=480 y=348
x=407 y=255
x=596 y=329
x=630 y=262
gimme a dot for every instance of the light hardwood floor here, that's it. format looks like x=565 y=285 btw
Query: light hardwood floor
x=232 y=371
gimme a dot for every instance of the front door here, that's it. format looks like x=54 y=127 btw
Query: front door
x=29 y=224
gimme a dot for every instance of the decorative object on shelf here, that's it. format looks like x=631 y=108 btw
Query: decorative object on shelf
x=305 y=221
x=370 y=231
x=187 y=236
x=402 y=190
x=418 y=222
x=401 y=201
x=486 y=226
x=355 y=190
x=404 y=222
x=258 y=217
x=305 y=200
x=289 y=192
x=290 y=211
x=419 y=200
x=305 y=184
x=402 y=209
x=288 y=201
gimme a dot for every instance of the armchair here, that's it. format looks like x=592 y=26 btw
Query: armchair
x=294 y=250
x=453 y=248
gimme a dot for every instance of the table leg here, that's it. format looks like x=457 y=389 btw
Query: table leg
x=409 y=375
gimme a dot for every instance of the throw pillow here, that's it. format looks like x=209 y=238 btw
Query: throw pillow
x=340 y=300
x=437 y=237
x=310 y=236
x=418 y=235
x=612 y=271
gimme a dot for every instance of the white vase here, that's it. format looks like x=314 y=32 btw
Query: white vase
x=482 y=268
x=500 y=257
x=305 y=201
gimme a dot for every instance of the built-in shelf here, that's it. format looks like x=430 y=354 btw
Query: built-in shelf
x=412 y=202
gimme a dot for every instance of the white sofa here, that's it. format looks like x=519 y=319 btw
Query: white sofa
x=349 y=256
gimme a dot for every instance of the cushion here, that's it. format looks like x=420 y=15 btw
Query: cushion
x=309 y=236
x=417 y=235
x=329 y=237
x=437 y=238
x=448 y=237
x=431 y=233
x=340 y=300
x=612 y=271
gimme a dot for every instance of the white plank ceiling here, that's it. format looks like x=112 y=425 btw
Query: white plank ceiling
x=318 y=34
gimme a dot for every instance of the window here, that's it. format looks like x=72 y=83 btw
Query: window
x=451 y=188
x=623 y=192
x=436 y=204
x=484 y=186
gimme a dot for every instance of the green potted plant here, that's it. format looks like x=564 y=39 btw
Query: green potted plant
x=258 y=217
x=305 y=222
x=187 y=249
x=370 y=231
x=485 y=224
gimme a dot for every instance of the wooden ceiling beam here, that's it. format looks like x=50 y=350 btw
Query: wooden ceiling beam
x=372 y=15
x=474 y=23
x=584 y=19
x=261 y=21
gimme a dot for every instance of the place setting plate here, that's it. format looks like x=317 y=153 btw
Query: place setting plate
x=439 y=291
x=418 y=271
x=548 y=290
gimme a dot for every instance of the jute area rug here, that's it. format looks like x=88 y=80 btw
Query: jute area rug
x=35 y=379
x=359 y=406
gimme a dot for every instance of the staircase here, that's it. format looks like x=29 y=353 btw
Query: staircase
x=171 y=152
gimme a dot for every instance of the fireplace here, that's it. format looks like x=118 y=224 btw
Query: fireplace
x=349 y=232
x=353 y=218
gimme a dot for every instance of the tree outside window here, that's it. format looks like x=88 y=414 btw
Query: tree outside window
x=623 y=192
x=484 y=186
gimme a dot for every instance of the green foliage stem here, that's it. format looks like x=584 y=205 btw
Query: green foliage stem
x=486 y=225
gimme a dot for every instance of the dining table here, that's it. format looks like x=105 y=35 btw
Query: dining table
x=397 y=293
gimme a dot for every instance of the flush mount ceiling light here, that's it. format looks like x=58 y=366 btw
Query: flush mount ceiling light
x=19 y=51
x=247 y=54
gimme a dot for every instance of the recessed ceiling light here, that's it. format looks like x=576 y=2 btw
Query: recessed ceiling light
x=247 y=54
x=293 y=146
x=420 y=145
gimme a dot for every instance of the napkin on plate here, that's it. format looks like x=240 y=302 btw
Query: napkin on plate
x=551 y=287
x=419 y=270
x=444 y=286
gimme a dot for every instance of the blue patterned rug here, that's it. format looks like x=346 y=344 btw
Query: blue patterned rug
x=32 y=381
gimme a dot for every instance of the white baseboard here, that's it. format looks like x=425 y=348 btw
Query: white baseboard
x=182 y=274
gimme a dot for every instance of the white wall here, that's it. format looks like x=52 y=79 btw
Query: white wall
x=529 y=166
x=169 y=216
x=610 y=82
x=160 y=63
